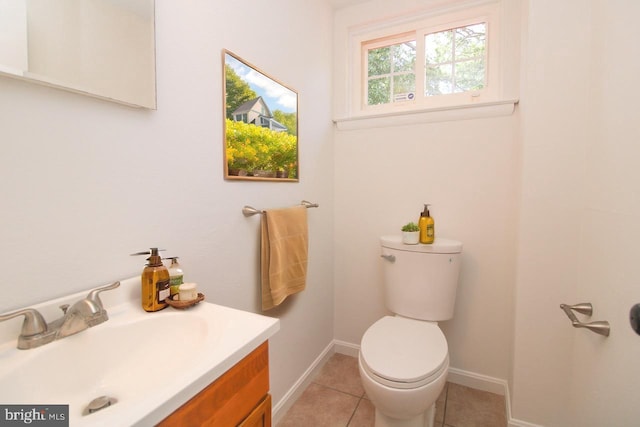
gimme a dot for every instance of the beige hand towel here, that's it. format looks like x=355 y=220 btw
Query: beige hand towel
x=284 y=248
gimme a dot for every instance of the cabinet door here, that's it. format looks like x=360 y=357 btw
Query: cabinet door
x=260 y=416
x=231 y=398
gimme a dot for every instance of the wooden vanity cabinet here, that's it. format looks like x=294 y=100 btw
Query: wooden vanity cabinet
x=238 y=398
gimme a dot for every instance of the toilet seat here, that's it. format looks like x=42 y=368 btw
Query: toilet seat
x=404 y=353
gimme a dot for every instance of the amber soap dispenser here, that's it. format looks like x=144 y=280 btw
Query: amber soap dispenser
x=155 y=282
x=426 y=224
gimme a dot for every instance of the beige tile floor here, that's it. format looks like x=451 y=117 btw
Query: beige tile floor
x=335 y=398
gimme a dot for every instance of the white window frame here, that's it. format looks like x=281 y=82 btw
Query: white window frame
x=388 y=31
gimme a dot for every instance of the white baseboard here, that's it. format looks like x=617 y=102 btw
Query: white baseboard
x=346 y=348
x=457 y=376
x=490 y=384
x=478 y=381
x=519 y=423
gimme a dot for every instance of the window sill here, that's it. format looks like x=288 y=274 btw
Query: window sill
x=443 y=114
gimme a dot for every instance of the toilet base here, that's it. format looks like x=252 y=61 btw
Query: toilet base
x=425 y=419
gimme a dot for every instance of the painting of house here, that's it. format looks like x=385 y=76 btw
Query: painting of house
x=256 y=112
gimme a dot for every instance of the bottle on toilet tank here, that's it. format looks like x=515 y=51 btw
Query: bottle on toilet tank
x=426 y=224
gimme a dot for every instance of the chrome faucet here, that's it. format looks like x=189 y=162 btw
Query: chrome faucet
x=81 y=315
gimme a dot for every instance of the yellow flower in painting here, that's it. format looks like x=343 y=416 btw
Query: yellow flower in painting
x=253 y=147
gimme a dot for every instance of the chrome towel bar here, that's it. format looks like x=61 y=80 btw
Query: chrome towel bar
x=599 y=327
x=249 y=210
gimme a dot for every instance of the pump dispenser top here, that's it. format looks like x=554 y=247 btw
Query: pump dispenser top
x=426 y=225
x=154 y=259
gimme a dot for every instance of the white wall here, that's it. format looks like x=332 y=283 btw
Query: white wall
x=13 y=36
x=578 y=228
x=605 y=371
x=554 y=130
x=468 y=171
x=87 y=182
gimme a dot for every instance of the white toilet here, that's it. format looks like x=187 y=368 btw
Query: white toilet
x=404 y=359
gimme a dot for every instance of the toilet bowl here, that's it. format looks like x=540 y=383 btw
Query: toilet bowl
x=404 y=359
x=403 y=366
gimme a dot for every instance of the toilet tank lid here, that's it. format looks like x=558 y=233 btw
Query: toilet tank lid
x=439 y=245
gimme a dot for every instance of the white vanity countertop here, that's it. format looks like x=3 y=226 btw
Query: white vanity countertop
x=178 y=365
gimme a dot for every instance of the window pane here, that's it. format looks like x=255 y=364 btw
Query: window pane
x=470 y=42
x=391 y=73
x=439 y=80
x=404 y=87
x=439 y=47
x=379 y=61
x=379 y=91
x=469 y=75
x=404 y=56
x=455 y=60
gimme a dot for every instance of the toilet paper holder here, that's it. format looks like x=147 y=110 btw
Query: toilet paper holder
x=599 y=327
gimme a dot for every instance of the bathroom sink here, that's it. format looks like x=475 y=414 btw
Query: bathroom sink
x=112 y=359
x=147 y=364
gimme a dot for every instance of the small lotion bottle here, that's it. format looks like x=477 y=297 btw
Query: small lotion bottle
x=426 y=224
x=176 y=275
x=155 y=283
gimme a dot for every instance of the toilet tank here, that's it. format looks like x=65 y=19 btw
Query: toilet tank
x=420 y=281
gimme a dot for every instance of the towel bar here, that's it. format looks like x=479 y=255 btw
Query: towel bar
x=249 y=210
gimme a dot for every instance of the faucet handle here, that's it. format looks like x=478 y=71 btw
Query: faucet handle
x=34 y=323
x=95 y=298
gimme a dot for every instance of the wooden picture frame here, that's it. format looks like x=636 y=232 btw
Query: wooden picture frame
x=260 y=124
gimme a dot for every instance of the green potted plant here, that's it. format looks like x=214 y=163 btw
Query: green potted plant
x=410 y=233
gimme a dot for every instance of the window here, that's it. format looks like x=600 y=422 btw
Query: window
x=440 y=59
x=447 y=62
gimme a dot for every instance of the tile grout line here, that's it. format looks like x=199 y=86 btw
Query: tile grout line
x=355 y=409
x=353 y=414
x=338 y=390
x=444 y=410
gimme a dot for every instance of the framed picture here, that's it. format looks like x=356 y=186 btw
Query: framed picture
x=260 y=124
